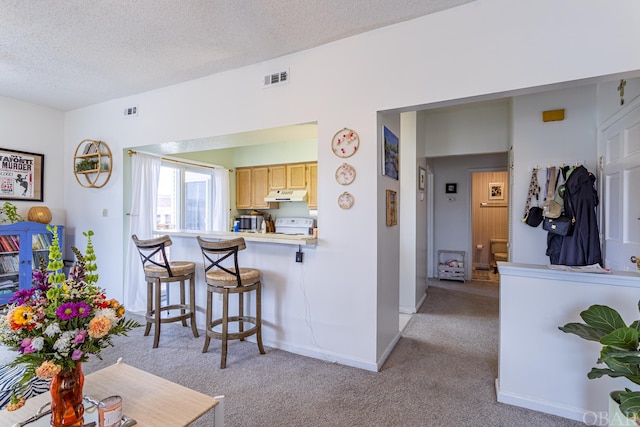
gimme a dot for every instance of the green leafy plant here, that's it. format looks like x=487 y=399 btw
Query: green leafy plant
x=620 y=352
x=86 y=165
x=9 y=210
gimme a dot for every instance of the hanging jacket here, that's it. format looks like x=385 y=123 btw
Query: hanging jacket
x=582 y=247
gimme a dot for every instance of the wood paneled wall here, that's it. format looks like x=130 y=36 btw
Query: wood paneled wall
x=489 y=214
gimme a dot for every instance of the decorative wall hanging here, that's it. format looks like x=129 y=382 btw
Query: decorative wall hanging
x=392 y=208
x=451 y=188
x=92 y=163
x=345 y=200
x=422 y=177
x=21 y=175
x=390 y=146
x=345 y=174
x=496 y=191
x=345 y=143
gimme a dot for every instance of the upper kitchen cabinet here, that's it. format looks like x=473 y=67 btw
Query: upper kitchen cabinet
x=312 y=185
x=278 y=177
x=296 y=176
x=252 y=186
x=243 y=188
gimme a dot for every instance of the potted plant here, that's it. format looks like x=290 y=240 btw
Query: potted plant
x=620 y=354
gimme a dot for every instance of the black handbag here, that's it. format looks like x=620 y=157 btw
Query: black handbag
x=563 y=225
x=533 y=214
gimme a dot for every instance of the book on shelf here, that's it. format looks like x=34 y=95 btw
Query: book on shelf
x=7 y=244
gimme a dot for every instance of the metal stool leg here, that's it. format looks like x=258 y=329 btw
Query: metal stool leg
x=157 y=312
x=192 y=304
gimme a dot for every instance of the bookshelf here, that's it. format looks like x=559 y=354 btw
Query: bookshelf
x=21 y=246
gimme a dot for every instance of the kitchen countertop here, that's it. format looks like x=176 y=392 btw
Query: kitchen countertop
x=278 y=238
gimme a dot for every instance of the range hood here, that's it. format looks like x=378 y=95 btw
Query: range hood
x=286 y=196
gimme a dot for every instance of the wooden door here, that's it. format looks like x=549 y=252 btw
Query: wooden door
x=278 y=177
x=312 y=185
x=296 y=176
x=620 y=148
x=259 y=187
x=489 y=213
x=243 y=188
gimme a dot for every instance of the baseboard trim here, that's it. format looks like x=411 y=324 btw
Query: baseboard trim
x=388 y=350
x=538 y=405
x=326 y=356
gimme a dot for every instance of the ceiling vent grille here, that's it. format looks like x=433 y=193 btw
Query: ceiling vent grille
x=276 y=79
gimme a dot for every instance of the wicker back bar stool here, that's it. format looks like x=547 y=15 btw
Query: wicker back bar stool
x=225 y=281
x=158 y=270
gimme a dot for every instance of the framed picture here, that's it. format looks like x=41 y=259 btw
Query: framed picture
x=422 y=176
x=451 y=188
x=392 y=208
x=21 y=175
x=390 y=146
x=496 y=191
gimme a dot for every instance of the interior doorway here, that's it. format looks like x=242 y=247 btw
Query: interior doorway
x=489 y=223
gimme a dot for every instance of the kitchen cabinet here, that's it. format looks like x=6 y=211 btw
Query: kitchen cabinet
x=252 y=186
x=278 y=177
x=21 y=246
x=312 y=185
x=243 y=188
x=259 y=187
x=296 y=176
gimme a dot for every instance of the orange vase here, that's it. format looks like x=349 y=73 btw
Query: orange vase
x=67 y=408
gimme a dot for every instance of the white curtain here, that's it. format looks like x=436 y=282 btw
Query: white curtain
x=145 y=174
x=221 y=200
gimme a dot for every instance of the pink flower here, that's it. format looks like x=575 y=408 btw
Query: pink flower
x=77 y=354
x=79 y=339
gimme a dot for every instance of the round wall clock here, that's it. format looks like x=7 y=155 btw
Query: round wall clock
x=345 y=174
x=345 y=143
x=345 y=200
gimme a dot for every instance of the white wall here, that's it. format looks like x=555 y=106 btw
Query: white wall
x=35 y=129
x=537 y=143
x=481 y=48
x=476 y=128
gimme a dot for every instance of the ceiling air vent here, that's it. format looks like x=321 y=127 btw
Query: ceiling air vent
x=276 y=79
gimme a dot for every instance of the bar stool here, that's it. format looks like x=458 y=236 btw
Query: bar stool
x=158 y=270
x=229 y=280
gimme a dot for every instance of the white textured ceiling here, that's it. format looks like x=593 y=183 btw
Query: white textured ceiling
x=68 y=54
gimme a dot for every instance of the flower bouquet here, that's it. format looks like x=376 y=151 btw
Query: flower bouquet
x=59 y=322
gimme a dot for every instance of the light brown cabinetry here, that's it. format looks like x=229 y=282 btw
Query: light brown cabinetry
x=312 y=185
x=278 y=177
x=260 y=187
x=243 y=188
x=296 y=176
x=252 y=186
x=254 y=183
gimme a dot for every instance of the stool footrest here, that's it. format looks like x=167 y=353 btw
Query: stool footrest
x=233 y=335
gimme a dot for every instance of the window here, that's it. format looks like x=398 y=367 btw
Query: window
x=185 y=198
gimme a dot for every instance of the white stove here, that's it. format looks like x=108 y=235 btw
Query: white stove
x=294 y=225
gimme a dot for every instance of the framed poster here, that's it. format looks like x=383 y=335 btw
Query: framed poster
x=422 y=176
x=390 y=159
x=21 y=175
x=451 y=188
x=496 y=190
x=392 y=208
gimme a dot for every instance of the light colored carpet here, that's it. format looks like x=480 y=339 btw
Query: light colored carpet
x=442 y=372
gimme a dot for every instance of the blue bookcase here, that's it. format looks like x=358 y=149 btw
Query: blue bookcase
x=22 y=245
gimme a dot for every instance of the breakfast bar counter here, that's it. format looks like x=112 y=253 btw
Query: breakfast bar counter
x=277 y=238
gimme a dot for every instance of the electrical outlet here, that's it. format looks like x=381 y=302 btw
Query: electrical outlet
x=299 y=256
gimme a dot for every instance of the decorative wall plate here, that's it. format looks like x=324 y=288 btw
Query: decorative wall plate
x=345 y=201
x=345 y=143
x=345 y=174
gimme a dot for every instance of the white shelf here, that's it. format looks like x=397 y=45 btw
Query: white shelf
x=451 y=265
